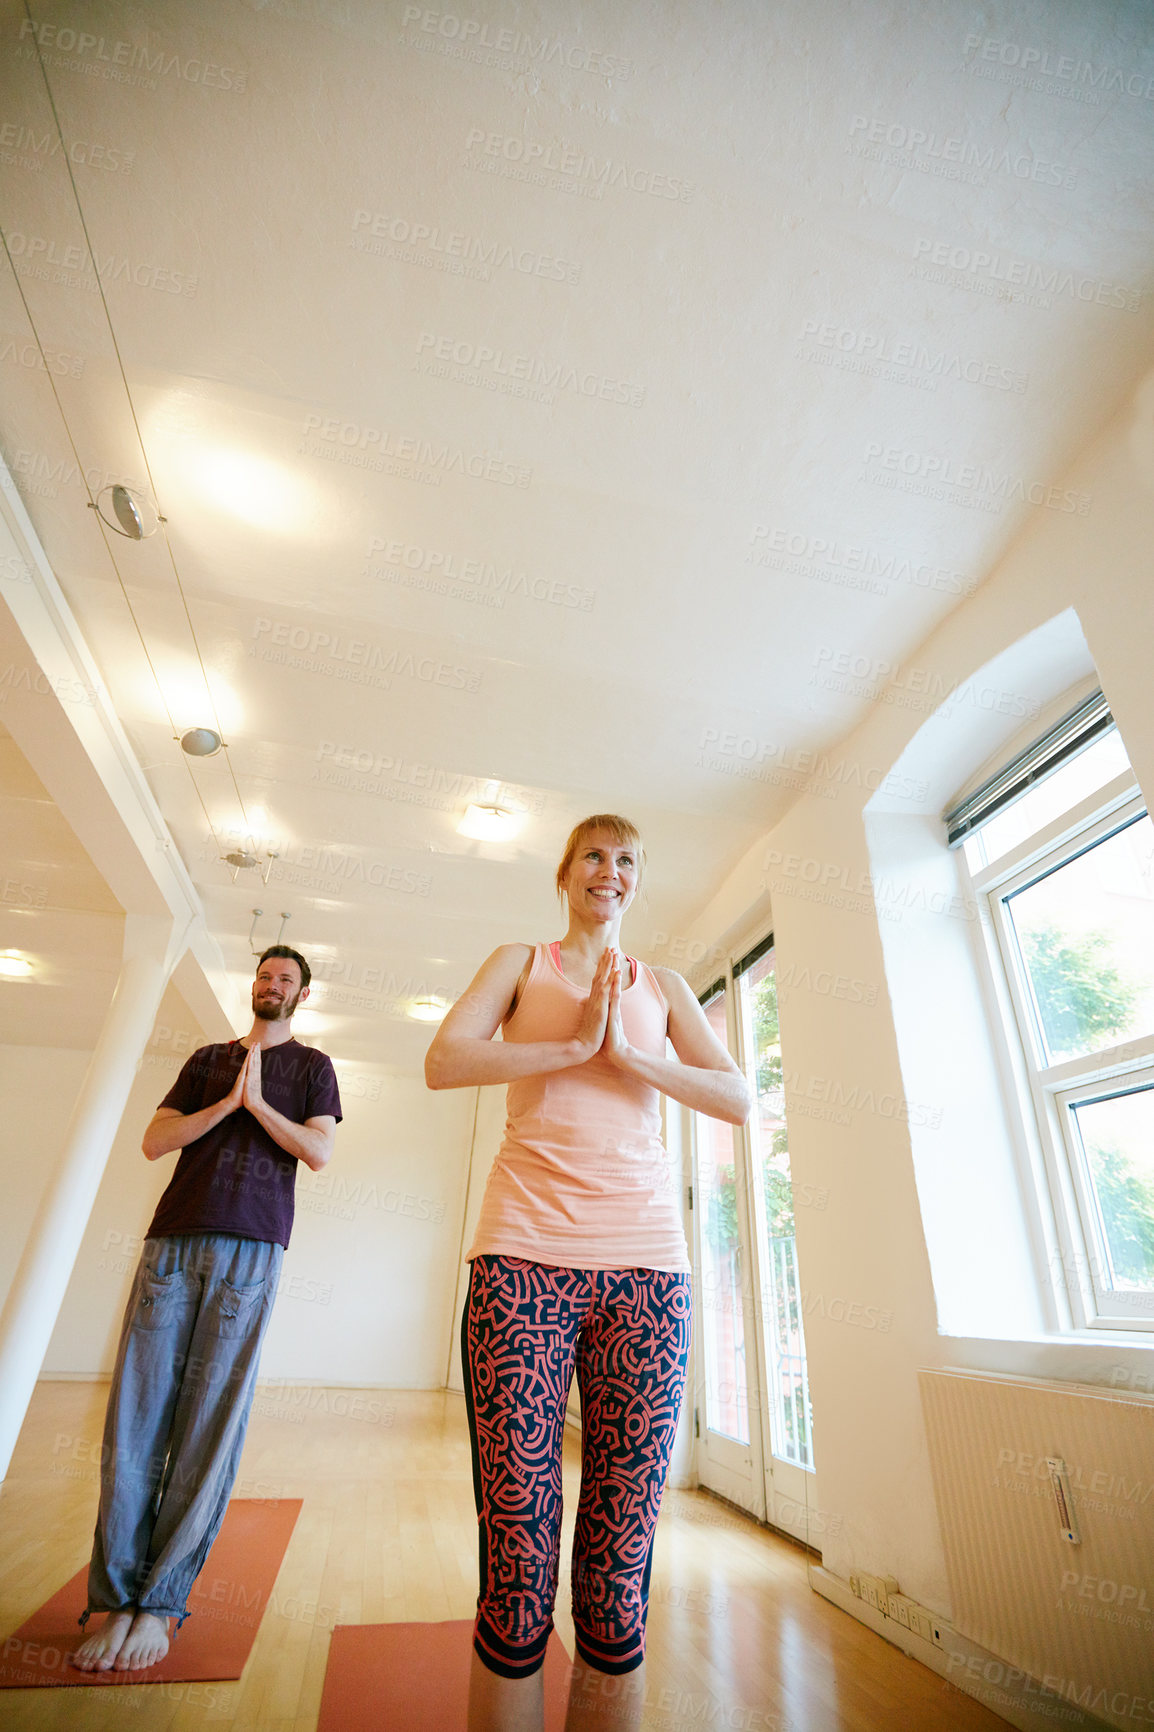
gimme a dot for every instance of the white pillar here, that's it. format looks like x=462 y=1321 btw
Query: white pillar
x=49 y=1256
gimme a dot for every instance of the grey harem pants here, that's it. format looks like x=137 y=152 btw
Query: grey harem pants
x=177 y=1415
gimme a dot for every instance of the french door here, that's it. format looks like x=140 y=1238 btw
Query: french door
x=753 y=1418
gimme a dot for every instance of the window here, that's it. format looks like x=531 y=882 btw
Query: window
x=1060 y=848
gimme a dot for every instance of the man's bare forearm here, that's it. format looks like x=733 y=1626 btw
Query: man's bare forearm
x=170 y=1131
x=307 y=1143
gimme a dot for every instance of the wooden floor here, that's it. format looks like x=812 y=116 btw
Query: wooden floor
x=388 y=1533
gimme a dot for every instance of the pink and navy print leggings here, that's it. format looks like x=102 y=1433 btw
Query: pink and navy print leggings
x=524 y=1328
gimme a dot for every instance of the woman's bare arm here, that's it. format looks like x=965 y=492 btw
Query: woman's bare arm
x=463 y=1053
x=703 y=1075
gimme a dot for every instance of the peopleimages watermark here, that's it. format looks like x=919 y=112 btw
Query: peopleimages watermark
x=75 y=267
x=410 y=457
x=566 y=167
x=440 y=571
x=908 y=362
x=123 y=62
x=358 y=660
x=857 y=1098
x=453 y=250
x=940 y=477
x=809 y=771
x=51 y=360
x=951 y=156
x=502 y=48
x=43 y=475
x=1011 y=279
x=1047 y=1694
x=848 y=564
x=1029 y=66
x=1098 y=1489
x=366 y=769
x=911 y=687
x=23 y=147
x=834 y=884
x=65 y=687
x=511 y=374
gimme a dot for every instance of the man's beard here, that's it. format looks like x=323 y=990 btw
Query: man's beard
x=265 y=1010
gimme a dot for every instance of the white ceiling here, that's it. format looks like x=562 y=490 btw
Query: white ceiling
x=813 y=339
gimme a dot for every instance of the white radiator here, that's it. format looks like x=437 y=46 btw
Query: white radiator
x=1078 y=1617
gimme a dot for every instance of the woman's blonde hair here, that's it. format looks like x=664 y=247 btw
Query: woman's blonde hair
x=625 y=834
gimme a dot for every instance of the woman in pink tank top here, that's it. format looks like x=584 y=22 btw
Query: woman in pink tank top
x=578 y=1263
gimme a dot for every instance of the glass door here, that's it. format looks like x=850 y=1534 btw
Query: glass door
x=754 y=1418
x=728 y=1422
x=788 y=1416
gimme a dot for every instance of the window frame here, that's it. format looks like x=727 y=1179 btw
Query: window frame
x=1052 y=1090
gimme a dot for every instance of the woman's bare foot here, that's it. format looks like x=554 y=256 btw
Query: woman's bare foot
x=145 y=1645
x=100 y=1650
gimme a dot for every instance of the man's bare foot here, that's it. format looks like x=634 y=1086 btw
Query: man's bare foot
x=145 y=1645
x=99 y=1651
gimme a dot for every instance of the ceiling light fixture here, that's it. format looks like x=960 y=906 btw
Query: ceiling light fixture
x=242 y=858
x=13 y=966
x=431 y=1009
x=201 y=742
x=256 y=914
x=136 y=516
x=490 y=823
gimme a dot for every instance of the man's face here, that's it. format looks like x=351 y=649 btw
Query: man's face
x=277 y=991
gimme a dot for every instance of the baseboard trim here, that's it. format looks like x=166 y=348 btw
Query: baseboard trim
x=998 y=1686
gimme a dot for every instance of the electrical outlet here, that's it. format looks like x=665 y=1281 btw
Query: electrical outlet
x=921 y=1623
x=855 y=1584
x=937 y=1634
x=899 y=1609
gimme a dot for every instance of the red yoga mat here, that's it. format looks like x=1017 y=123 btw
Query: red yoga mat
x=225 y=1609
x=415 y=1678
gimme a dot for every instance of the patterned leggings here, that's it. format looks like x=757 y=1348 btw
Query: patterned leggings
x=524 y=1328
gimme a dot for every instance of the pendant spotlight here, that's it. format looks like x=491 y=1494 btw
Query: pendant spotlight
x=136 y=516
x=201 y=742
x=256 y=914
x=242 y=858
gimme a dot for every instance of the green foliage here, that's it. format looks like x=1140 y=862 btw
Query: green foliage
x=1086 y=1001
x=1082 y=996
x=767 y=1035
x=1126 y=1200
x=721 y=1217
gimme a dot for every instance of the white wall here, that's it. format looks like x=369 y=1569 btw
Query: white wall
x=891 y=1170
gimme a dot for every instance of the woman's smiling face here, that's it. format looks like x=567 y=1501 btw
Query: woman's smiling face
x=602 y=878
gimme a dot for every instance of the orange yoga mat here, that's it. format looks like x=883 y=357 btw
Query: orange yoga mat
x=225 y=1609
x=415 y=1678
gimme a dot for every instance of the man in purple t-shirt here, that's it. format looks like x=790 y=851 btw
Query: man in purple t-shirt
x=242 y=1113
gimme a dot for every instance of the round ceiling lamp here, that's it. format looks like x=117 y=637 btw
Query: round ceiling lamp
x=201 y=742
x=13 y=966
x=133 y=513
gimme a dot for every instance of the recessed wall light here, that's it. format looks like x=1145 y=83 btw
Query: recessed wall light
x=13 y=966
x=431 y=1009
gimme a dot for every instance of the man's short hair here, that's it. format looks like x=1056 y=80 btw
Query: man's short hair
x=287 y=951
